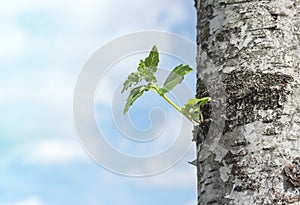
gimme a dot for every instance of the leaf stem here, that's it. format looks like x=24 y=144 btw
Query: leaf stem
x=155 y=88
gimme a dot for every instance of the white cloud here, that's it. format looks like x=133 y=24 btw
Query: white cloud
x=9 y=8
x=83 y=26
x=164 y=16
x=52 y=87
x=12 y=41
x=56 y=151
x=28 y=201
x=56 y=88
x=90 y=22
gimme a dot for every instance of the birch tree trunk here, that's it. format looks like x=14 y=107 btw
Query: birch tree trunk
x=248 y=62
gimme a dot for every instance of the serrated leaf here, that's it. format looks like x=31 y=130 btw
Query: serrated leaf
x=135 y=93
x=145 y=70
x=132 y=79
x=153 y=59
x=141 y=66
x=192 y=109
x=175 y=77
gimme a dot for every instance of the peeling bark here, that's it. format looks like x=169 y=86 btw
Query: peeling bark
x=249 y=63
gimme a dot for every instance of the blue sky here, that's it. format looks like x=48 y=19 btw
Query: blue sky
x=43 y=47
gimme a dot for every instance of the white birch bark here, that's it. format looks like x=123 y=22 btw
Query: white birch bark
x=250 y=49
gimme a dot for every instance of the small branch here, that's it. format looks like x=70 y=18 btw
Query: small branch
x=155 y=88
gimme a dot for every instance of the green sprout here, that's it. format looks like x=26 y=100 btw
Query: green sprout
x=146 y=72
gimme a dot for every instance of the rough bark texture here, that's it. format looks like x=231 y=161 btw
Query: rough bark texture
x=248 y=58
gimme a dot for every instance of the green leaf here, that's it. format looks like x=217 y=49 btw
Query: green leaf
x=175 y=77
x=150 y=66
x=193 y=101
x=132 y=79
x=202 y=101
x=141 y=66
x=145 y=70
x=135 y=93
x=153 y=59
x=192 y=109
x=191 y=112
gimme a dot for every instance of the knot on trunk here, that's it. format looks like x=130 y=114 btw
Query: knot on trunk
x=292 y=172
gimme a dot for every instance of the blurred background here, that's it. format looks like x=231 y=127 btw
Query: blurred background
x=43 y=46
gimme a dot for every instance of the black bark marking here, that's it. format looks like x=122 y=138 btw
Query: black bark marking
x=225 y=3
x=246 y=182
x=248 y=91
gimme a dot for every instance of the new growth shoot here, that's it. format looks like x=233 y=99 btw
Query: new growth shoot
x=146 y=73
